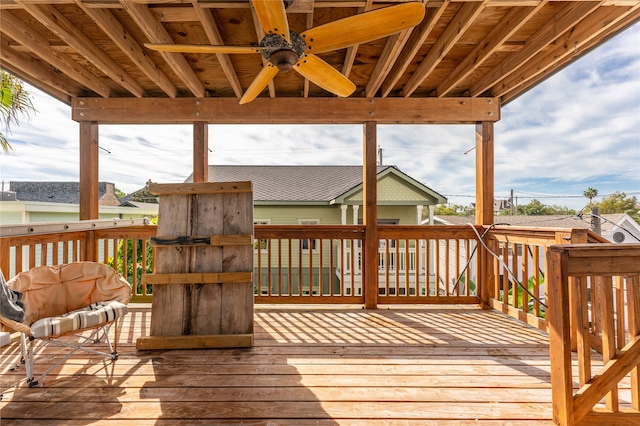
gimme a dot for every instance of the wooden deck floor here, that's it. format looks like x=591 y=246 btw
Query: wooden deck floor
x=429 y=365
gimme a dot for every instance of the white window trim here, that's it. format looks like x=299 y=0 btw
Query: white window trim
x=315 y=241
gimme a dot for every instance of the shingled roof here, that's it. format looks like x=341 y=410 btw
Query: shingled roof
x=296 y=183
x=59 y=192
x=542 y=221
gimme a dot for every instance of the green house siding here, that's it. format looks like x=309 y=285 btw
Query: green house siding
x=393 y=190
x=291 y=215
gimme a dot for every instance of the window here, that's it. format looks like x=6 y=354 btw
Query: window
x=305 y=244
x=263 y=243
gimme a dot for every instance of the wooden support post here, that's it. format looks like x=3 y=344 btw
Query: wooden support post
x=484 y=173
x=200 y=151
x=484 y=201
x=89 y=195
x=370 y=217
x=88 y=170
x=559 y=336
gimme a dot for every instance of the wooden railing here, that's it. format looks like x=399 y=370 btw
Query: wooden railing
x=594 y=305
x=442 y=267
x=519 y=269
x=324 y=263
x=298 y=263
x=122 y=244
x=306 y=264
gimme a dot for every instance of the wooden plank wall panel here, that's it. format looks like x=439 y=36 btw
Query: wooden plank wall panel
x=206 y=309
x=173 y=221
x=202 y=314
x=237 y=311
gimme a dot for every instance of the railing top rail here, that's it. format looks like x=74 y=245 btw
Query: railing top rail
x=585 y=259
x=309 y=231
x=521 y=228
x=588 y=250
x=19 y=230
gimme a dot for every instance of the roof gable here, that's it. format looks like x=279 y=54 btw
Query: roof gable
x=394 y=186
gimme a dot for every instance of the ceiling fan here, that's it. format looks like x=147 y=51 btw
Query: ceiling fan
x=286 y=50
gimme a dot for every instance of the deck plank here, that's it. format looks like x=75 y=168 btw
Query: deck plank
x=414 y=365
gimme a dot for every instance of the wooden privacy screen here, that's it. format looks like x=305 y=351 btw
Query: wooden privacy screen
x=203 y=280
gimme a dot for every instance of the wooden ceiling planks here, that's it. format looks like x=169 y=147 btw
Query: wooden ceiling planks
x=461 y=49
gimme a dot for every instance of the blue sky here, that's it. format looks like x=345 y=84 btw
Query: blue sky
x=578 y=129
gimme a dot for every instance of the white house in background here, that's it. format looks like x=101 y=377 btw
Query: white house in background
x=31 y=202
x=619 y=228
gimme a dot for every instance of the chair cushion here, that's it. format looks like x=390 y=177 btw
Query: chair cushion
x=51 y=291
x=91 y=316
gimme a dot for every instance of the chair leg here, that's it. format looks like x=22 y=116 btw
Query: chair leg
x=26 y=345
x=94 y=337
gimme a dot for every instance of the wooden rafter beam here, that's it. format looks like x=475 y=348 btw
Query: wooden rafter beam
x=569 y=16
x=350 y=56
x=516 y=91
x=51 y=18
x=301 y=6
x=114 y=4
x=456 y=29
x=37 y=44
x=415 y=42
x=35 y=72
x=287 y=110
x=156 y=33
x=507 y=26
x=387 y=58
x=119 y=35
x=213 y=34
x=580 y=36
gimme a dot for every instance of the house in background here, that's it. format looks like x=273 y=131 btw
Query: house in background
x=32 y=201
x=618 y=228
x=329 y=195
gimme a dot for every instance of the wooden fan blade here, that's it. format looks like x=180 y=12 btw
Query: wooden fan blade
x=259 y=83
x=363 y=28
x=273 y=17
x=201 y=48
x=324 y=75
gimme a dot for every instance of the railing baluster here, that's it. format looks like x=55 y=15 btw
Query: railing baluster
x=621 y=314
x=583 y=333
x=605 y=290
x=427 y=266
x=269 y=268
x=633 y=318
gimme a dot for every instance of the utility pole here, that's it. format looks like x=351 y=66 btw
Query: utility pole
x=380 y=155
x=511 y=206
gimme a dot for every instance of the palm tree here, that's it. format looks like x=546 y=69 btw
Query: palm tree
x=590 y=193
x=14 y=101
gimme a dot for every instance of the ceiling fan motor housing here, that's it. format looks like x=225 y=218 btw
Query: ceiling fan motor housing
x=280 y=52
